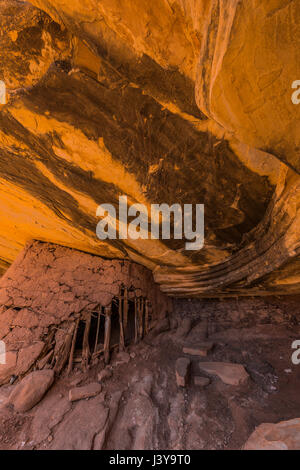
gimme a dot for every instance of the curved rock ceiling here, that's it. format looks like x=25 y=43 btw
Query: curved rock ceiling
x=174 y=101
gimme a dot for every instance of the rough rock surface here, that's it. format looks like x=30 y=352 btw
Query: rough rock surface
x=78 y=430
x=280 y=436
x=175 y=101
x=141 y=406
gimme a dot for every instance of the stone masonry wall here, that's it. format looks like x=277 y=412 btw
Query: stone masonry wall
x=49 y=286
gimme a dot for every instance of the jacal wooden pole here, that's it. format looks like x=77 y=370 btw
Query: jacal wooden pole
x=107 y=334
x=122 y=339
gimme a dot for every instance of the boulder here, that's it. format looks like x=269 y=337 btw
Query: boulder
x=281 y=436
x=31 y=390
x=230 y=374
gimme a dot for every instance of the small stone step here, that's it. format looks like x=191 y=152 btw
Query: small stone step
x=183 y=366
x=87 y=391
x=230 y=374
x=201 y=349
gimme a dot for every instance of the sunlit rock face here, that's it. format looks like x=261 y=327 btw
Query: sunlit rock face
x=169 y=101
x=30 y=43
x=263 y=39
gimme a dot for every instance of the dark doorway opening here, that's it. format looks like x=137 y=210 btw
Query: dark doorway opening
x=80 y=335
x=129 y=331
x=115 y=324
x=92 y=333
x=96 y=337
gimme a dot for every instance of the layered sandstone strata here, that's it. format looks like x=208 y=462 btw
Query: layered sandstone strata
x=174 y=101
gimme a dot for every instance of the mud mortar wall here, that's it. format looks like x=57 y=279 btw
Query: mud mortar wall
x=48 y=287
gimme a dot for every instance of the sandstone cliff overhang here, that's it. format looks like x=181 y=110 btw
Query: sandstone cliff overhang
x=171 y=101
